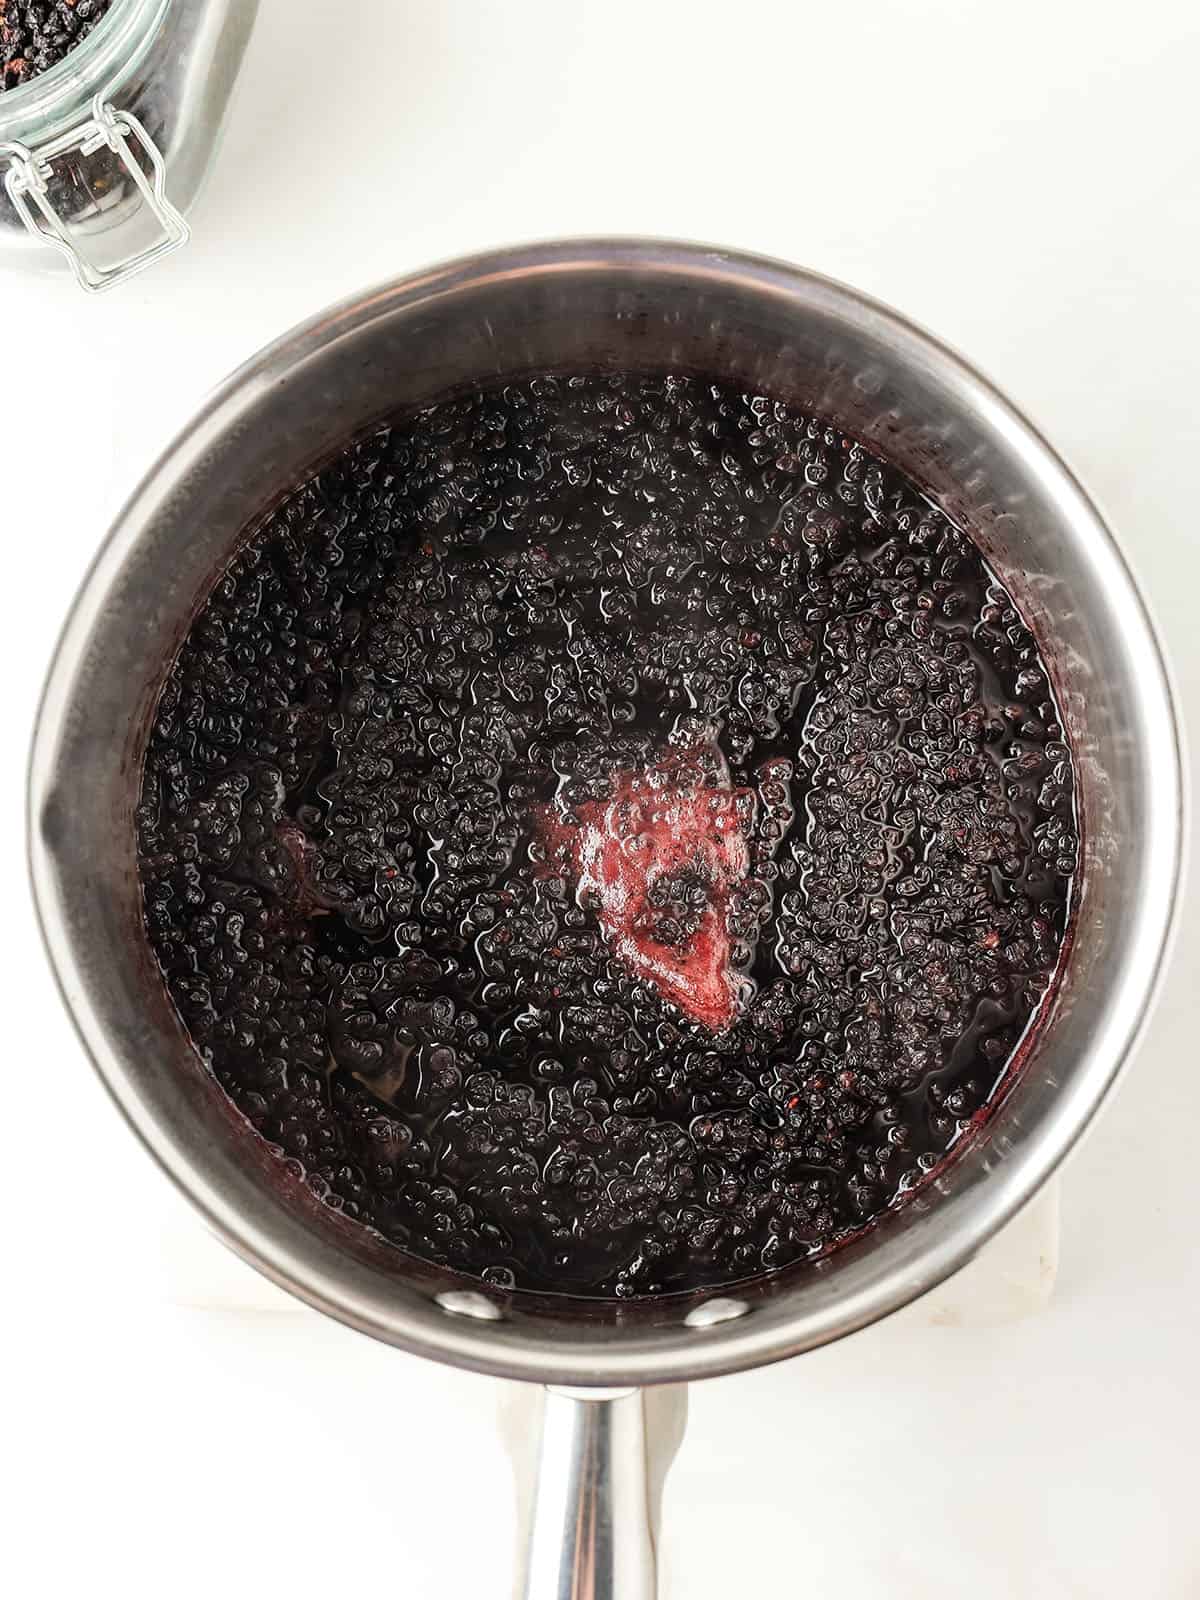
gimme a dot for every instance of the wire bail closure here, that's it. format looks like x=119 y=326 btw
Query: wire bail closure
x=27 y=185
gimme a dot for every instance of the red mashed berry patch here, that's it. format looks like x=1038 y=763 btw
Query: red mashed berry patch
x=658 y=860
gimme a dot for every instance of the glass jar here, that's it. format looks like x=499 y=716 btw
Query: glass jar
x=103 y=154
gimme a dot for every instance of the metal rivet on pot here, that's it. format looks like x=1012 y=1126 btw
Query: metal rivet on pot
x=714 y=1311
x=466 y=1303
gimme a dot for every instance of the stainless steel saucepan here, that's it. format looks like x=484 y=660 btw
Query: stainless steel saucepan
x=605 y=303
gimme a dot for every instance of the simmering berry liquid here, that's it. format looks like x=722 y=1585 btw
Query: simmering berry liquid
x=613 y=831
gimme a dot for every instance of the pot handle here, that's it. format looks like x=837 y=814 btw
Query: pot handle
x=591 y=1521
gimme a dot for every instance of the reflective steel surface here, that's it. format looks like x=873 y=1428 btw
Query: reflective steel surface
x=602 y=303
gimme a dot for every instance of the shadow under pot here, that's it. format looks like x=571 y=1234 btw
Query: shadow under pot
x=103 y=150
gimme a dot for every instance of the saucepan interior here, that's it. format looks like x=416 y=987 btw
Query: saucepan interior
x=603 y=304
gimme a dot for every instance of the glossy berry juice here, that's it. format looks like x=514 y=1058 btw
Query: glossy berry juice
x=612 y=831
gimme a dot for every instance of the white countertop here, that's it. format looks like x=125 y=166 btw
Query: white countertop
x=1024 y=180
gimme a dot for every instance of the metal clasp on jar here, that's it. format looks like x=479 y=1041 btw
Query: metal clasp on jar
x=28 y=184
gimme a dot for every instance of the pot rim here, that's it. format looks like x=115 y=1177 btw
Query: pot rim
x=495 y=1347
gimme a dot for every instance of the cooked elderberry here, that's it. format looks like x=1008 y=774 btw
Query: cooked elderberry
x=612 y=831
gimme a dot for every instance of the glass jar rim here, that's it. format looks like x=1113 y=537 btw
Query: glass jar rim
x=104 y=56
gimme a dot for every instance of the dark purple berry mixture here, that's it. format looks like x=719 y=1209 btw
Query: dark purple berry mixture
x=612 y=831
x=37 y=34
